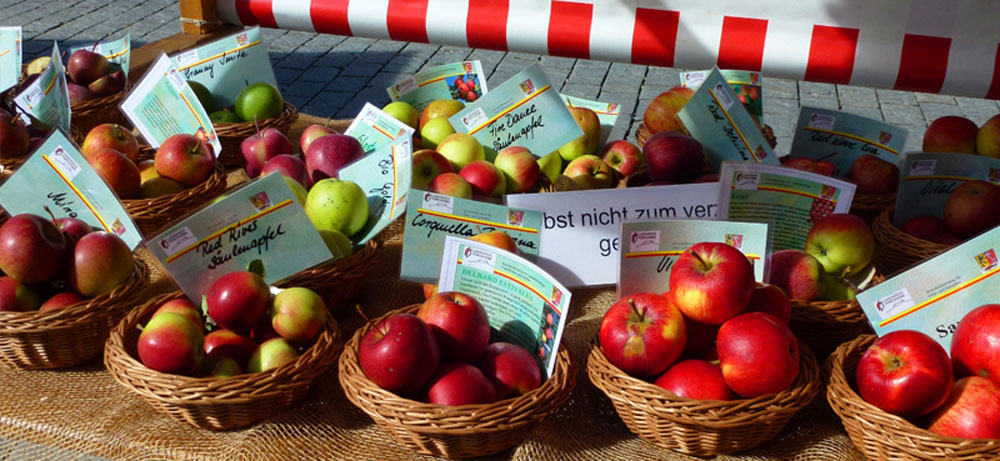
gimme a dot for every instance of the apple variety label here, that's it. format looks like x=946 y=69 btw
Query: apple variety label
x=650 y=249
x=384 y=175
x=227 y=65
x=790 y=200
x=928 y=179
x=523 y=111
x=162 y=105
x=57 y=177
x=728 y=132
x=46 y=100
x=116 y=51
x=746 y=85
x=462 y=81
x=10 y=56
x=260 y=221
x=375 y=129
x=580 y=240
x=526 y=306
x=607 y=113
x=931 y=300
x=431 y=217
x=840 y=138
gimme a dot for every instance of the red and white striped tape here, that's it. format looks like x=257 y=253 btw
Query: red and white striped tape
x=935 y=46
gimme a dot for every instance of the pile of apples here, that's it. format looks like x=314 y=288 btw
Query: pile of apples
x=442 y=355
x=907 y=373
x=731 y=333
x=50 y=264
x=958 y=135
x=969 y=210
x=672 y=156
x=247 y=330
x=182 y=161
x=838 y=247
x=92 y=76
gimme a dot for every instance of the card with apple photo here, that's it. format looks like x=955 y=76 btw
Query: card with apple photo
x=431 y=217
x=841 y=138
x=46 y=100
x=227 y=65
x=10 y=56
x=117 y=51
x=524 y=111
x=723 y=127
x=384 y=175
x=462 y=81
x=525 y=305
x=58 y=178
x=790 y=200
x=376 y=129
x=262 y=220
x=927 y=180
x=162 y=104
x=650 y=249
x=928 y=299
x=746 y=85
x=607 y=114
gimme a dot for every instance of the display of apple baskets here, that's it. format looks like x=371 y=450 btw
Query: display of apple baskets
x=883 y=436
x=896 y=249
x=232 y=134
x=216 y=403
x=453 y=431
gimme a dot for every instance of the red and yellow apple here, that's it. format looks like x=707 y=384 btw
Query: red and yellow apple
x=589 y=172
x=520 y=168
x=185 y=159
x=427 y=165
x=461 y=149
x=624 y=157
x=972 y=410
x=696 y=379
x=643 y=334
x=485 y=179
x=951 y=133
x=797 y=273
x=843 y=243
x=452 y=185
x=988 y=138
x=661 y=114
x=459 y=323
x=711 y=282
x=971 y=208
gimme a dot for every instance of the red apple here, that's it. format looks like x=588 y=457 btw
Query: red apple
x=459 y=323
x=290 y=167
x=712 y=282
x=906 y=373
x=15 y=139
x=975 y=346
x=874 y=175
x=170 y=343
x=312 y=133
x=661 y=114
x=32 y=249
x=17 y=297
x=101 y=261
x=399 y=354
x=74 y=229
x=185 y=159
x=924 y=227
x=822 y=167
x=624 y=157
x=771 y=299
x=85 y=66
x=427 y=165
x=61 y=301
x=707 y=177
x=511 y=369
x=951 y=133
x=700 y=337
x=328 y=154
x=78 y=93
x=451 y=184
x=237 y=300
x=460 y=384
x=117 y=171
x=109 y=84
x=230 y=344
x=843 y=243
x=673 y=157
x=111 y=136
x=262 y=146
x=589 y=172
x=971 y=208
x=972 y=410
x=797 y=273
x=485 y=179
x=758 y=354
x=696 y=379
x=183 y=307
x=519 y=167
x=643 y=334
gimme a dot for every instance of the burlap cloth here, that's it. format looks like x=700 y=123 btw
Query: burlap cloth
x=82 y=411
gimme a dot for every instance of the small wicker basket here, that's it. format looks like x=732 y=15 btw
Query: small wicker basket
x=92 y=112
x=897 y=250
x=882 y=436
x=702 y=427
x=869 y=206
x=339 y=281
x=216 y=403
x=232 y=134
x=454 y=431
x=70 y=336
x=824 y=325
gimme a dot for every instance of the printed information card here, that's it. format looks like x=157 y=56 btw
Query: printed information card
x=928 y=180
x=607 y=113
x=840 y=138
x=790 y=200
x=46 y=100
x=652 y=247
x=384 y=175
x=375 y=129
x=57 y=177
x=525 y=305
x=261 y=220
x=227 y=65
x=117 y=51
x=746 y=85
x=462 y=81
x=10 y=56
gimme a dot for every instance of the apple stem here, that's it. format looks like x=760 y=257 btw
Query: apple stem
x=93 y=48
x=631 y=304
x=848 y=282
x=256 y=125
x=371 y=324
x=697 y=257
x=47 y=210
x=15 y=119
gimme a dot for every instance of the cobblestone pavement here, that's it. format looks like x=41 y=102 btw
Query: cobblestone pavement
x=333 y=76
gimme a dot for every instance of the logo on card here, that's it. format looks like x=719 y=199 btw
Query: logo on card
x=896 y=302
x=742 y=180
x=515 y=217
x=644 y=241
x=527 y=87
x=884 y=137
x=612 y=108
x=822 y=121
x=754 y=78
x=440 y=203
x=987 y=260
x=556 y=295
x=260 y=201
x=922 y=167
x=241 y=39
x=478 y=259
x=734 y=240
x=177 y=241
x=994 y=175
x=467 y=67
x=117 y=227
x=827 y=191
x=760 y=153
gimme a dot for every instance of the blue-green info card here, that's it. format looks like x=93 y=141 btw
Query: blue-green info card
x=927 y=180
x=462 y=81
x=227 y=65
x=117 y=51
x=46 y=100
x=10 y=56
x=841 y=138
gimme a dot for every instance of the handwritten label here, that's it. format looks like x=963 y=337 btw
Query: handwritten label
x=375 y=129
x=927 y=180
x=227 y=65
x=841 y=138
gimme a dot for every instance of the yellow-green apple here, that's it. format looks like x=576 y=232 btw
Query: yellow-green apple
x=219 y=367
x=337 y=205
x=32 y=248
x=485 y=179
x=906 y=373
x=312 y=133
x=18 y=297
x=511 y=368
x=497 y=238
x=427 y=165
x=37 y=65
x=14 y=137
x=451 y=184
x=951 y=133
x=758 y=354
x=585 y=144
x=971 y=208
x=224 y=116
x=711 y=282
x=661 y=113
x=771 y=299
x=338 y=243
x=328 y=154
x=797 y=273
x=290 y=167
x=624 y=157
x=519 y=167
x=404 y=112
x=158 y=187
x=183 y=307
x=271 y=354
x=461 y=149
x=459 y=323
x=101 y=261
x=823 y=167
x=185 y=159
x=85 y=66
x=643 y=334
x=551 y=165
x=695 y=379
x=843 y=244
x=399 y=354
x=873 y=175
x=230 y=344
x=61 y=301
x=74 y=229
x=203 y=95
x=297 y=314
x=439 y=108
x=109 y=84
x=262 y=146
x=975 y=346
x=434 y=132
x=988 y=138
x=673 y=157
x=171 y=343
x=833 y=288
x=147 y=170
x=589 y=172
x=237 y=300
x=111 y=136
x=972 y=410
x=460 y=384
x=117 y=171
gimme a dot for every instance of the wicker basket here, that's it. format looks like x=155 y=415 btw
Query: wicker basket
x=882 y=436
x=454 y=431
x=897 y=250
x=339 y=281
x=92 y=112
x=869 y=206
x=70 y=336
x=216 y=403
x=702 y=427
x=824 y=325
x=232 y=134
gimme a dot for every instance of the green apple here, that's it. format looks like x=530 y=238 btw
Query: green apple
x=460 y=149
x=404 y=112
x=551 y=165
x=224 y=116
x=297 y=190
x=272 y=353
x=297 y=314
x=204 y=96
x=258 y=101
x=834 y=289
x=586 y=144
x=843 y=244
x=434 y=131
x=337 y=205
x=337 y=242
